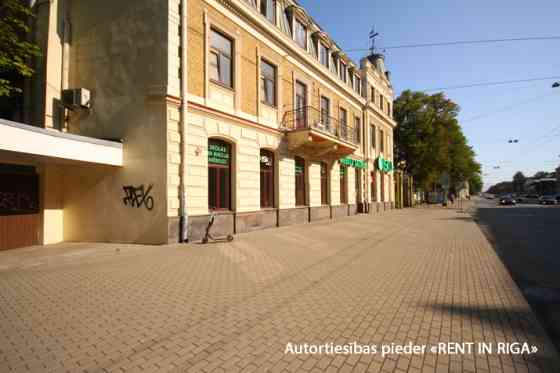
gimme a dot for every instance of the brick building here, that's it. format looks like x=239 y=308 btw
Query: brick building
x=167 y=111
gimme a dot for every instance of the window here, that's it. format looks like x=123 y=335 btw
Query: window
x=381 y=141
x=219 y=175
x=372 y=130
x=268 y=9
x=343 y=72
x=268 y=83
x=301 y=103
x=358 y=85
x=267 y=179
x=389 y=113
x=221 y=52
x=324 y=184
x=334 y=64
x=373 y=187
x=372 y=94
x=358 y=129
x=325 y=111
x=300 y=34
x=343 y=123
x=343 y=184
x=323 y=54
x=381 y=102
x=352 y=80
x=300 y=181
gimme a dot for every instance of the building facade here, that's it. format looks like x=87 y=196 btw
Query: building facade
x=243 y=109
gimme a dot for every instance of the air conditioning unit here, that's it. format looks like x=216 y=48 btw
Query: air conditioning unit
x=76 y=98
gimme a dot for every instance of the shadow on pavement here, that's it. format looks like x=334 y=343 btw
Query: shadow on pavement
x=527 y=239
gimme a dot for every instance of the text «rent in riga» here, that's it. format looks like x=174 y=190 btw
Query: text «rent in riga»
x=449 y=348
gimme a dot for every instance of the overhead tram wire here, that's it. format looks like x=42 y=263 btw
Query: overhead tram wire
x=461 y=42
x=489 y=84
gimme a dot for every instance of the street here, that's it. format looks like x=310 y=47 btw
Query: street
x=421 y=276
x=527 y=239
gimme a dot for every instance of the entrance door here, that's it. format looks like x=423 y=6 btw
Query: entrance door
x=19 y=207
x=301 y=104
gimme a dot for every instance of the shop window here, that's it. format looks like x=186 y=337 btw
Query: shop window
x=219 y=175
x=268 y=83
x=373 y=187
x=267 y=179
x=300 y=181
x=221 y=52
x=324 y=184
x=343 y=184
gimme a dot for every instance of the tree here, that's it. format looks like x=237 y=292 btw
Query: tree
x=519 y=182
x=430 y=141
x=540 y=175
x=475 y=184
x=15 y=51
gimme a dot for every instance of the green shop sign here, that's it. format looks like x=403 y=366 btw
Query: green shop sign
x=356 y=163
x=384 y=165
x=218 y=154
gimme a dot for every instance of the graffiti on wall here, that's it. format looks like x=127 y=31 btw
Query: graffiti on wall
x=138 y=196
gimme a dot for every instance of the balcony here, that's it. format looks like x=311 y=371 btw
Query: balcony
x=314 y=134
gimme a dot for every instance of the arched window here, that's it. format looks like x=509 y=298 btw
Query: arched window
x=267 y=179
x=343 y=184
x=300 y=181
x=324 y=184
x=219 y=175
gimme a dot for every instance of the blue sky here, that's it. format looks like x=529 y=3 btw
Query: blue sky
x=487 y=117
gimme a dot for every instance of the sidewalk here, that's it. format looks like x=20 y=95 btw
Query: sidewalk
x=418 y=275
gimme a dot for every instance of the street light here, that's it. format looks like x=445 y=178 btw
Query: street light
x=514 y=141
x=556 y=85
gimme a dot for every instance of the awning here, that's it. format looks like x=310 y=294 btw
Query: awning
x=23 y=139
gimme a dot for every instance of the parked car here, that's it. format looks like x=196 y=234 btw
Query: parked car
x=507 y=200
x=548 y=200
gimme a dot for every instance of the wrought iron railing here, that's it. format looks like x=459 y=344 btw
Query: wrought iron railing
x=309 y=117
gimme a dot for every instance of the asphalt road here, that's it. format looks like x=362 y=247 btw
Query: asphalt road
x=527 y=239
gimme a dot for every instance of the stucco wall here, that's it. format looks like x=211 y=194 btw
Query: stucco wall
x=119 y=55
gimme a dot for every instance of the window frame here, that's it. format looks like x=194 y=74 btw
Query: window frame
x=343 y=68
x=218 y=53
x=262 y=80
x=303 y=182
x=229 y=176
x=358 y=128
x=343 y=184
x=297 y=22
x=325 y=111
x=319 y=55
x=267 y=191
x=264 y=14
x=324 y=175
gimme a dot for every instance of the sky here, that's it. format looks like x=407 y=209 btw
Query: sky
x=490 y=116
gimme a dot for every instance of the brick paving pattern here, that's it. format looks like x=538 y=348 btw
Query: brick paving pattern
x=422 y=275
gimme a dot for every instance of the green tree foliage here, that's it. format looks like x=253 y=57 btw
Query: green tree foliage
x=475 y=184
x=519 y=182
x=15 y=51
x=505 y=187
x=430 y=141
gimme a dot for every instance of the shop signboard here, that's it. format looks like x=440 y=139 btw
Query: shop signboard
x=218 y=154
x=384 y=165
x=356 y=163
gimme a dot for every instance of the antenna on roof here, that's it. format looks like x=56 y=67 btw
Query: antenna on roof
x=372 y=36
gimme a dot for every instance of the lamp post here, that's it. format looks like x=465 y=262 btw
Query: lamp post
x=556 y=85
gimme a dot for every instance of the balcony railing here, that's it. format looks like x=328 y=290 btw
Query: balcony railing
x=310 y=118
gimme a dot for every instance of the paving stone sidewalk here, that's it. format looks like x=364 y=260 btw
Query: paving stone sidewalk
x=419 y=275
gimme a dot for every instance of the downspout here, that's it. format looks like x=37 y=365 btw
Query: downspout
x=183 y=217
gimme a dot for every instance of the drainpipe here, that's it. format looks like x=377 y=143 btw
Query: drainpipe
x=183 y=220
